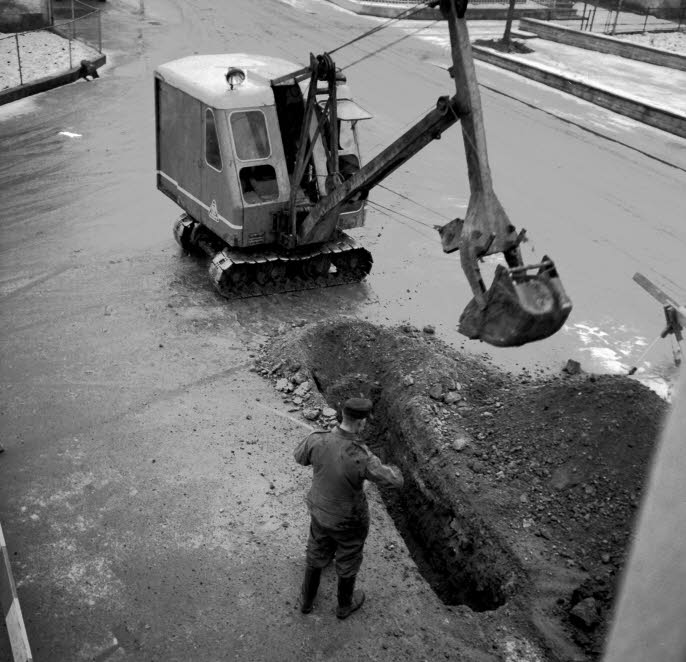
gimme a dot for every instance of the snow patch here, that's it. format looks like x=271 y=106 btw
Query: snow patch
x=519 y=650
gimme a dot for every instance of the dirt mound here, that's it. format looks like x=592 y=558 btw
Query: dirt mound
x=518 y=490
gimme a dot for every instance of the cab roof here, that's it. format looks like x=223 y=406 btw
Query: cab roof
x=204 y=77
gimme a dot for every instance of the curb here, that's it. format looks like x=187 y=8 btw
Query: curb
x=9 y=600
x=603 y=44
x=47 y=83
x=434 y=14
x=661 y=118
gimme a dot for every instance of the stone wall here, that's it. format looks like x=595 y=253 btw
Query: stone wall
x=603 y=44
x=16 y=16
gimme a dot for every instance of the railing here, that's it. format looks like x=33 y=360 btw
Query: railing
x=76 y=20
x=612 y=20
x=20 y=48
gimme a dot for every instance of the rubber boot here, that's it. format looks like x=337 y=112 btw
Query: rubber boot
x=309 y=588
x=349 y=600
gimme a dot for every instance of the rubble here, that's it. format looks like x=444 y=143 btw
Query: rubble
x=585 y=614
x=555 y=465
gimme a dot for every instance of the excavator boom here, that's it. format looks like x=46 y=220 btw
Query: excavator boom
x=524 y=302
x=322 y=218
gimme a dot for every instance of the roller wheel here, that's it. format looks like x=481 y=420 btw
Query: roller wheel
x=183 y=232
x=233 y=280
x=278 y=271
x=317 y=266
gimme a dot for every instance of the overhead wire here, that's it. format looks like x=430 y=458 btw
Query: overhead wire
x=407 y=13
x=392 y=43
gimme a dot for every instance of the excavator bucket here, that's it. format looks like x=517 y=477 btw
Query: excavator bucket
x=519 y=307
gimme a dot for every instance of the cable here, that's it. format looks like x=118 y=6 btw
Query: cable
x=419 y=204
x=411 y=227
x=393 y=43
x=579 y=125
x=399 y=213
x=640 y=360
x=404 y=14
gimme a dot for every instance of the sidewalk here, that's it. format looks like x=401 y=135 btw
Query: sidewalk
x=646 y=92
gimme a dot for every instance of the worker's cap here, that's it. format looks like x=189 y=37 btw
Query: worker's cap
x=357 y=407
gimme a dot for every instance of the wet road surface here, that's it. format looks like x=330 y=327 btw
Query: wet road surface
x=113 y=342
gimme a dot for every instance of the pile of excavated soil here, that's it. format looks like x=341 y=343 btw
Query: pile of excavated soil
x=518 y=490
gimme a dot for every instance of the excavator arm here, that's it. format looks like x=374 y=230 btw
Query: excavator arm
x=321 y=220
x=520 y=306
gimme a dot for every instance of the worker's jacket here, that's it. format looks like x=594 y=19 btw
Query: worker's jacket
x=341 y=463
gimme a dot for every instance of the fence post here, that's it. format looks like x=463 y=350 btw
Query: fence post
x=21 y=77
x=619 y=9
x=70 y=64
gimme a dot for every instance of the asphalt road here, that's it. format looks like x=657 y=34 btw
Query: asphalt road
x=124 y=374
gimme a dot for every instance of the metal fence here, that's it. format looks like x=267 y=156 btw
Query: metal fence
x=612 y=18
x=410 y=3
x=608 y=17
x=34 y=53
x=77 y=20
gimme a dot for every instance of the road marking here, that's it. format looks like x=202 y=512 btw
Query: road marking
x=69 y=134
x=9 y=600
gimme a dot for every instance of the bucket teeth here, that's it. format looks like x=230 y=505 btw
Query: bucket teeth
x=518 y=311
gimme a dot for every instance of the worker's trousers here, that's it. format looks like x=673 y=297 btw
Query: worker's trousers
x=345 y=541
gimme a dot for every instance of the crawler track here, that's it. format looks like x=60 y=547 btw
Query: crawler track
x=241 y=275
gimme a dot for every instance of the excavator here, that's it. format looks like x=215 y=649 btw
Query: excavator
x=263 y=158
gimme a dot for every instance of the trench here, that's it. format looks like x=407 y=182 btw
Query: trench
x=456 y=551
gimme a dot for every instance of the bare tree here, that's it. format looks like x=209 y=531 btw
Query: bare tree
x=508 y=23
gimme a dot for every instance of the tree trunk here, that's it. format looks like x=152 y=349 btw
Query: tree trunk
x=508 y=22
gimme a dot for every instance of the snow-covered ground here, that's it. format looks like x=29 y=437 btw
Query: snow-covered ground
x=41 y=54
x=674 y=42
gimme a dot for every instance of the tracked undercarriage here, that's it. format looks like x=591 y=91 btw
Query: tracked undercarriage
x=243 y=274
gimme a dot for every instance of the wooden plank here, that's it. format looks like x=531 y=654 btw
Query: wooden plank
x=11 y=610
x=661 y=296
x=654 y=290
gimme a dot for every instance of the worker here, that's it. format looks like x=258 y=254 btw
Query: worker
x=338 y=505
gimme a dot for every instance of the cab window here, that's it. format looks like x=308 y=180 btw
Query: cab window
x=250 y=135
x=258 y=184
x=212 y=154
